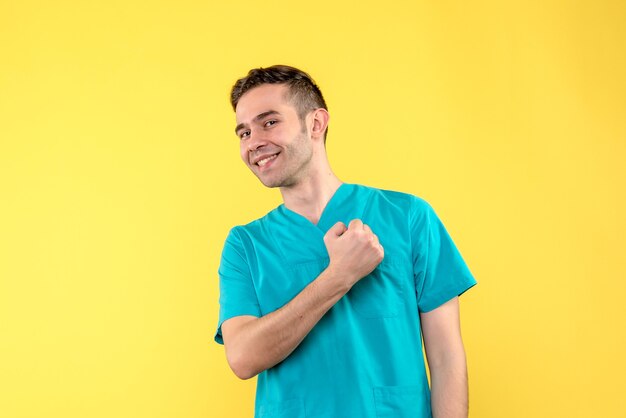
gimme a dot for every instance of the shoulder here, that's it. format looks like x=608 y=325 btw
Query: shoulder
x=247 y=232
x=407 y=201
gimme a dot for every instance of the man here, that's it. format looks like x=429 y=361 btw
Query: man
x=327 y=296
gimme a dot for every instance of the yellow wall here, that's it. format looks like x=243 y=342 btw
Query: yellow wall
x=119 y=179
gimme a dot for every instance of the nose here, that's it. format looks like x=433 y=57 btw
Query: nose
x=255 y=141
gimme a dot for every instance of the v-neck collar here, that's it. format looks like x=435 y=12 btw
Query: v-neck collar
x=329 y=214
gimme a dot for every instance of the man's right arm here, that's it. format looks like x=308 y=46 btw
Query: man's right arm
x=256 y=344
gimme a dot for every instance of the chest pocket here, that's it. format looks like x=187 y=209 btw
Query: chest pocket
x=380 y=294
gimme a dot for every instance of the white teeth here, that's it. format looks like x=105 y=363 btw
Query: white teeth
x=264 y=161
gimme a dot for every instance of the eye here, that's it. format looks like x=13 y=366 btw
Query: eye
x=244 y=134
x=270 y=123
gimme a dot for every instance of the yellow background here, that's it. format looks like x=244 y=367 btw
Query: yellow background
x=120 y=177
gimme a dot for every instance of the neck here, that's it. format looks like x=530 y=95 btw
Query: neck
x=310 y=195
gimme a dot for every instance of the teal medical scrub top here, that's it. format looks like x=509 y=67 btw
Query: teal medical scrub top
x=364 y=357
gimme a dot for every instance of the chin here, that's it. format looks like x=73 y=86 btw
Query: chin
x=273 y=183
x=269 y=182
x=270 y=185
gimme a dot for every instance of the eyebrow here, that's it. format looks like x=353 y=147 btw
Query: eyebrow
x=257 y=118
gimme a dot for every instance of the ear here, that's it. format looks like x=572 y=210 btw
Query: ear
x=320 y=122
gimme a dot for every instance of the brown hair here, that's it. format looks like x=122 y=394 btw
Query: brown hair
x=303 y=93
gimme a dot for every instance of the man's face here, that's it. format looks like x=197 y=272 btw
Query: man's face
x=274 y=143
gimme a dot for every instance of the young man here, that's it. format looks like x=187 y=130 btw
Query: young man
x=327 y=296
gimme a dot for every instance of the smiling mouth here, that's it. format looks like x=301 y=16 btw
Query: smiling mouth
x=264 y=161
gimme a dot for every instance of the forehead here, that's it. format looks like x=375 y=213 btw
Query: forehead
x=261 y=99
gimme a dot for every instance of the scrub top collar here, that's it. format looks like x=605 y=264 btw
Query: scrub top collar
x=337 y=209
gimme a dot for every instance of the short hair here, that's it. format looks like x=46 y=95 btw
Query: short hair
x=303 y=93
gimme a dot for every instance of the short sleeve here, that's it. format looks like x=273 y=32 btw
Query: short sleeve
x=237 y=292
x=439 y=270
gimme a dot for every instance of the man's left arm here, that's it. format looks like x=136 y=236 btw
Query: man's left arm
x=446 y=360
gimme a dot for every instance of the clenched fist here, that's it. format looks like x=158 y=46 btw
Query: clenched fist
x=354 y=251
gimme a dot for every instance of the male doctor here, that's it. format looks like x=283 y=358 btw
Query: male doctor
x=326 y=298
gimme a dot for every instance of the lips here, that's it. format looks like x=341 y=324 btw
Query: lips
x=263 y=159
